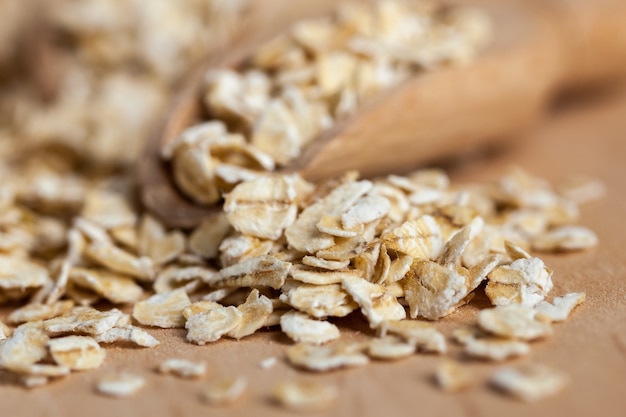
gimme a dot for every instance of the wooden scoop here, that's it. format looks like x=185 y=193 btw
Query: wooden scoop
x=538 y=49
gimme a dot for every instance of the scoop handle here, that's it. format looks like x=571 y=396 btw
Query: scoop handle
x=539 y=49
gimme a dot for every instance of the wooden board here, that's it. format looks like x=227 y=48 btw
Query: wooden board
x=591 y=346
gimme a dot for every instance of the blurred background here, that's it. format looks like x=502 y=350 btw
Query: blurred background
x=87 y=77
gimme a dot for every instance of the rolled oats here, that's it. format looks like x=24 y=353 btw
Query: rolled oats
x=226 y=391
x=263 y=207
x=420 y=238
x=211 y=325
x=319 y=300
x=182 y=368
x=376 y=304
x=305 y=396
x=162 y=310
x=264 y=271
x=77 y=353
x=268 y=363
x=120 y=385
x=525 y=281
x=513 y=321
x=451 y=376
x=154 y=242
x=83 y=320
x=37 y=311
x=390 y=347
x=116 y=288
x=420 y=333
x=325 y=358
x=300 y=328
x=25 y=347
x=206 y=238
x=254 y=313
x=121 y=261
x=530 y=383
x=565 y=238
x=560 y=308
x=72 y=233
x=495 y=348
x=127 y=333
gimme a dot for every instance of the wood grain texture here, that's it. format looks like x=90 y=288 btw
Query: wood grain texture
x=539 y=48
x=590 y=346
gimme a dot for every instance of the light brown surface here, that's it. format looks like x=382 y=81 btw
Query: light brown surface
x=590 y=346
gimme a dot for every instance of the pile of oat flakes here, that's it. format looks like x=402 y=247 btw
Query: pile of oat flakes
x=82 y=266
x=265 y=111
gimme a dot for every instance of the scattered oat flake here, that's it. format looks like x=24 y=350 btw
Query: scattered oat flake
x=225 y=392
x=495 y=348
x=582 y=189
x=530 y=383
x=376 y=304
x=254 y=313
x=327 y=264
x=560 y=308
x=118 y=260
x=162 y=310
x=565 y=238
x=320 y=277
x=420 y=333
x=206 y=238
x=120 y=385
x=433 y=291
x=451 y=376
x=420 y=238
x=183 y=368
x=525 y=281
x=114 y=287
x=158 y=245
x=326 y=358
x=37 y=311
x=265 y=271
x=25 y=347
x=304 y=235
x=268 y=363
x=85 y=320
x=262 y=207
x=319 y=300
x=513 y=321
x=300 y=328
x=129 y=334
x=34 y=381
x=390 y=347
x=22 y=274
x=305 y=395
x=76 y=352
x=211 y=325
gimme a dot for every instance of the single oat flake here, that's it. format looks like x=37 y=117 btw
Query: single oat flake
x=530 y=383
x=513 y=321
x=325 y=358
x=120 y=385
x=182 y=368
x=305 y=396
x=163 y=310
x=560 y=308
x=452 y=376
x=225 y=392
x=78 y=353
x=300 y=328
